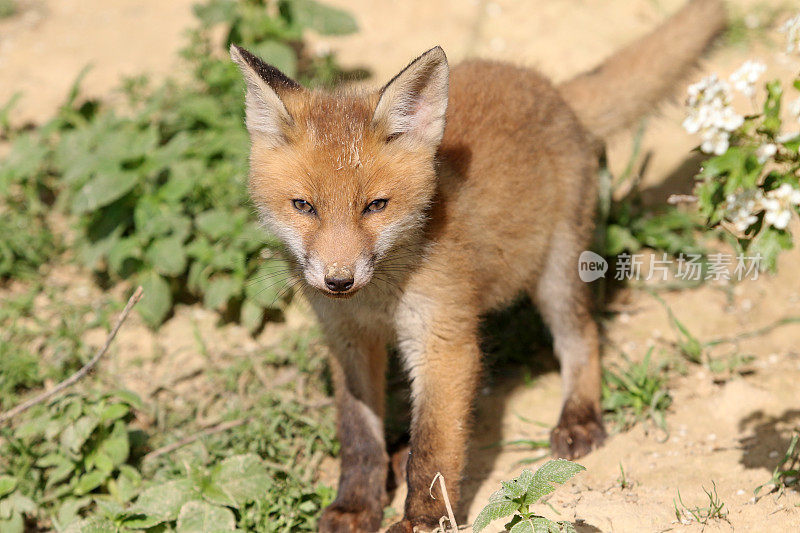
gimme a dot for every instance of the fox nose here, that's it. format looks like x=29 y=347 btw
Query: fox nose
x=339 y=283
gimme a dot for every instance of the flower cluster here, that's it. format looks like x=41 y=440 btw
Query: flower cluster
x=711 y=114
x=750 y=183
x=745 y=78
x=777 y=205
x=792 y=30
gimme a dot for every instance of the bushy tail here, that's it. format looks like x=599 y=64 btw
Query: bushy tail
x=632 y=81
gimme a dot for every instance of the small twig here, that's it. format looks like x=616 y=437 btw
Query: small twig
x=450 y=516
x=219 y=428
x=84 y=370
x=675 y=199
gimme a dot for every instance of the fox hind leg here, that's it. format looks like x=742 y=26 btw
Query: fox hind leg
x=564 y=302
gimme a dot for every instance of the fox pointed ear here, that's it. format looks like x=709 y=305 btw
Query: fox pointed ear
x=265 y=113
x=413 y=104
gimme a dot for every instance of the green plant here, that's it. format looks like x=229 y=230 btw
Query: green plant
x=787 y=472
x=636 y=392
x=159 y=191
x=516 y=497
x=7 y=8
x=622 y=480
x=749 y=187
x=64 y=453
x=626 y=224
x=44 y=341
x=715 y=509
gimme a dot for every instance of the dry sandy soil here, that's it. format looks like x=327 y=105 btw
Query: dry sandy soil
x=725 y=428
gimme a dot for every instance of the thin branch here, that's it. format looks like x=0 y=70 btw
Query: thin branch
x=219 y=428
x=84 y=370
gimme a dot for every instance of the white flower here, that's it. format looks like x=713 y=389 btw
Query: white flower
x=778 y=205
x=792 y=30
x=715 y=142
x=742 y=208
x=744 y=79
x=766 y=151
x=710 y=114
x=794 y=109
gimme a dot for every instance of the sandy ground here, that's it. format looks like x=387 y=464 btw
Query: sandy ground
x=729 y=429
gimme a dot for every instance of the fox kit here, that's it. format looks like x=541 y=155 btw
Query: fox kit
x=413 y=210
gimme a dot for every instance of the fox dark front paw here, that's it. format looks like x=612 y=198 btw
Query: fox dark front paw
x=579 y=431
x=403 y=526
x=338 y=519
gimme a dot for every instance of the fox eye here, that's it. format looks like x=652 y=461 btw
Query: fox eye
x=376 y=205
x=303 y=206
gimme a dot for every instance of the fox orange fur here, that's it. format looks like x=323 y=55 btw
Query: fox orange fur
x=413 y=210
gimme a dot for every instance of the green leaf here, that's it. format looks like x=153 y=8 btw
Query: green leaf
x=168 y=256
x=114 y=411
x=324 y=19
x=7 y=485
x=103 y=189
x=243 y=477
x=76 y=433
x=558 y=471
x=90 y=481
x=92 y=525
x=116 y=445
x=157 y=299
x=122 y=251
x=555 y=471
x=220 y=290
x=165 y=500
x=197 y=516
x=216 y=223
x=619 y=239
x=251 y=315
x=494 y=510
x=13 y=524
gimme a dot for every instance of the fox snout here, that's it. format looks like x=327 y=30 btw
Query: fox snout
x=338 y=278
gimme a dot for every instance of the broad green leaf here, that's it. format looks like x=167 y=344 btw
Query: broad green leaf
x=7 y=485
x=620 y=239
x=244 y=477
x=216 y=223
x=12 y=524
x=251 y=315
x=129 y=397
x=90 y=481
x=114 y=411
x=513 y=489
x=103 y=189
x=221 y=289
x=116 y=445
x=91 y=525
x=76 y=433
x=558 y=471
x=168 y=256
x=165 y=500
x=123 y=250
x=70 y=507
x=197 y=516
x=156 y=300
x=494 y=510
x=323 y=19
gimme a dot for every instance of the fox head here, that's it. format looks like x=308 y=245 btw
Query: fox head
x=344 y=179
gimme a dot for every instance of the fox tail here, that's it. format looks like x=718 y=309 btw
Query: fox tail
x=632 y=81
